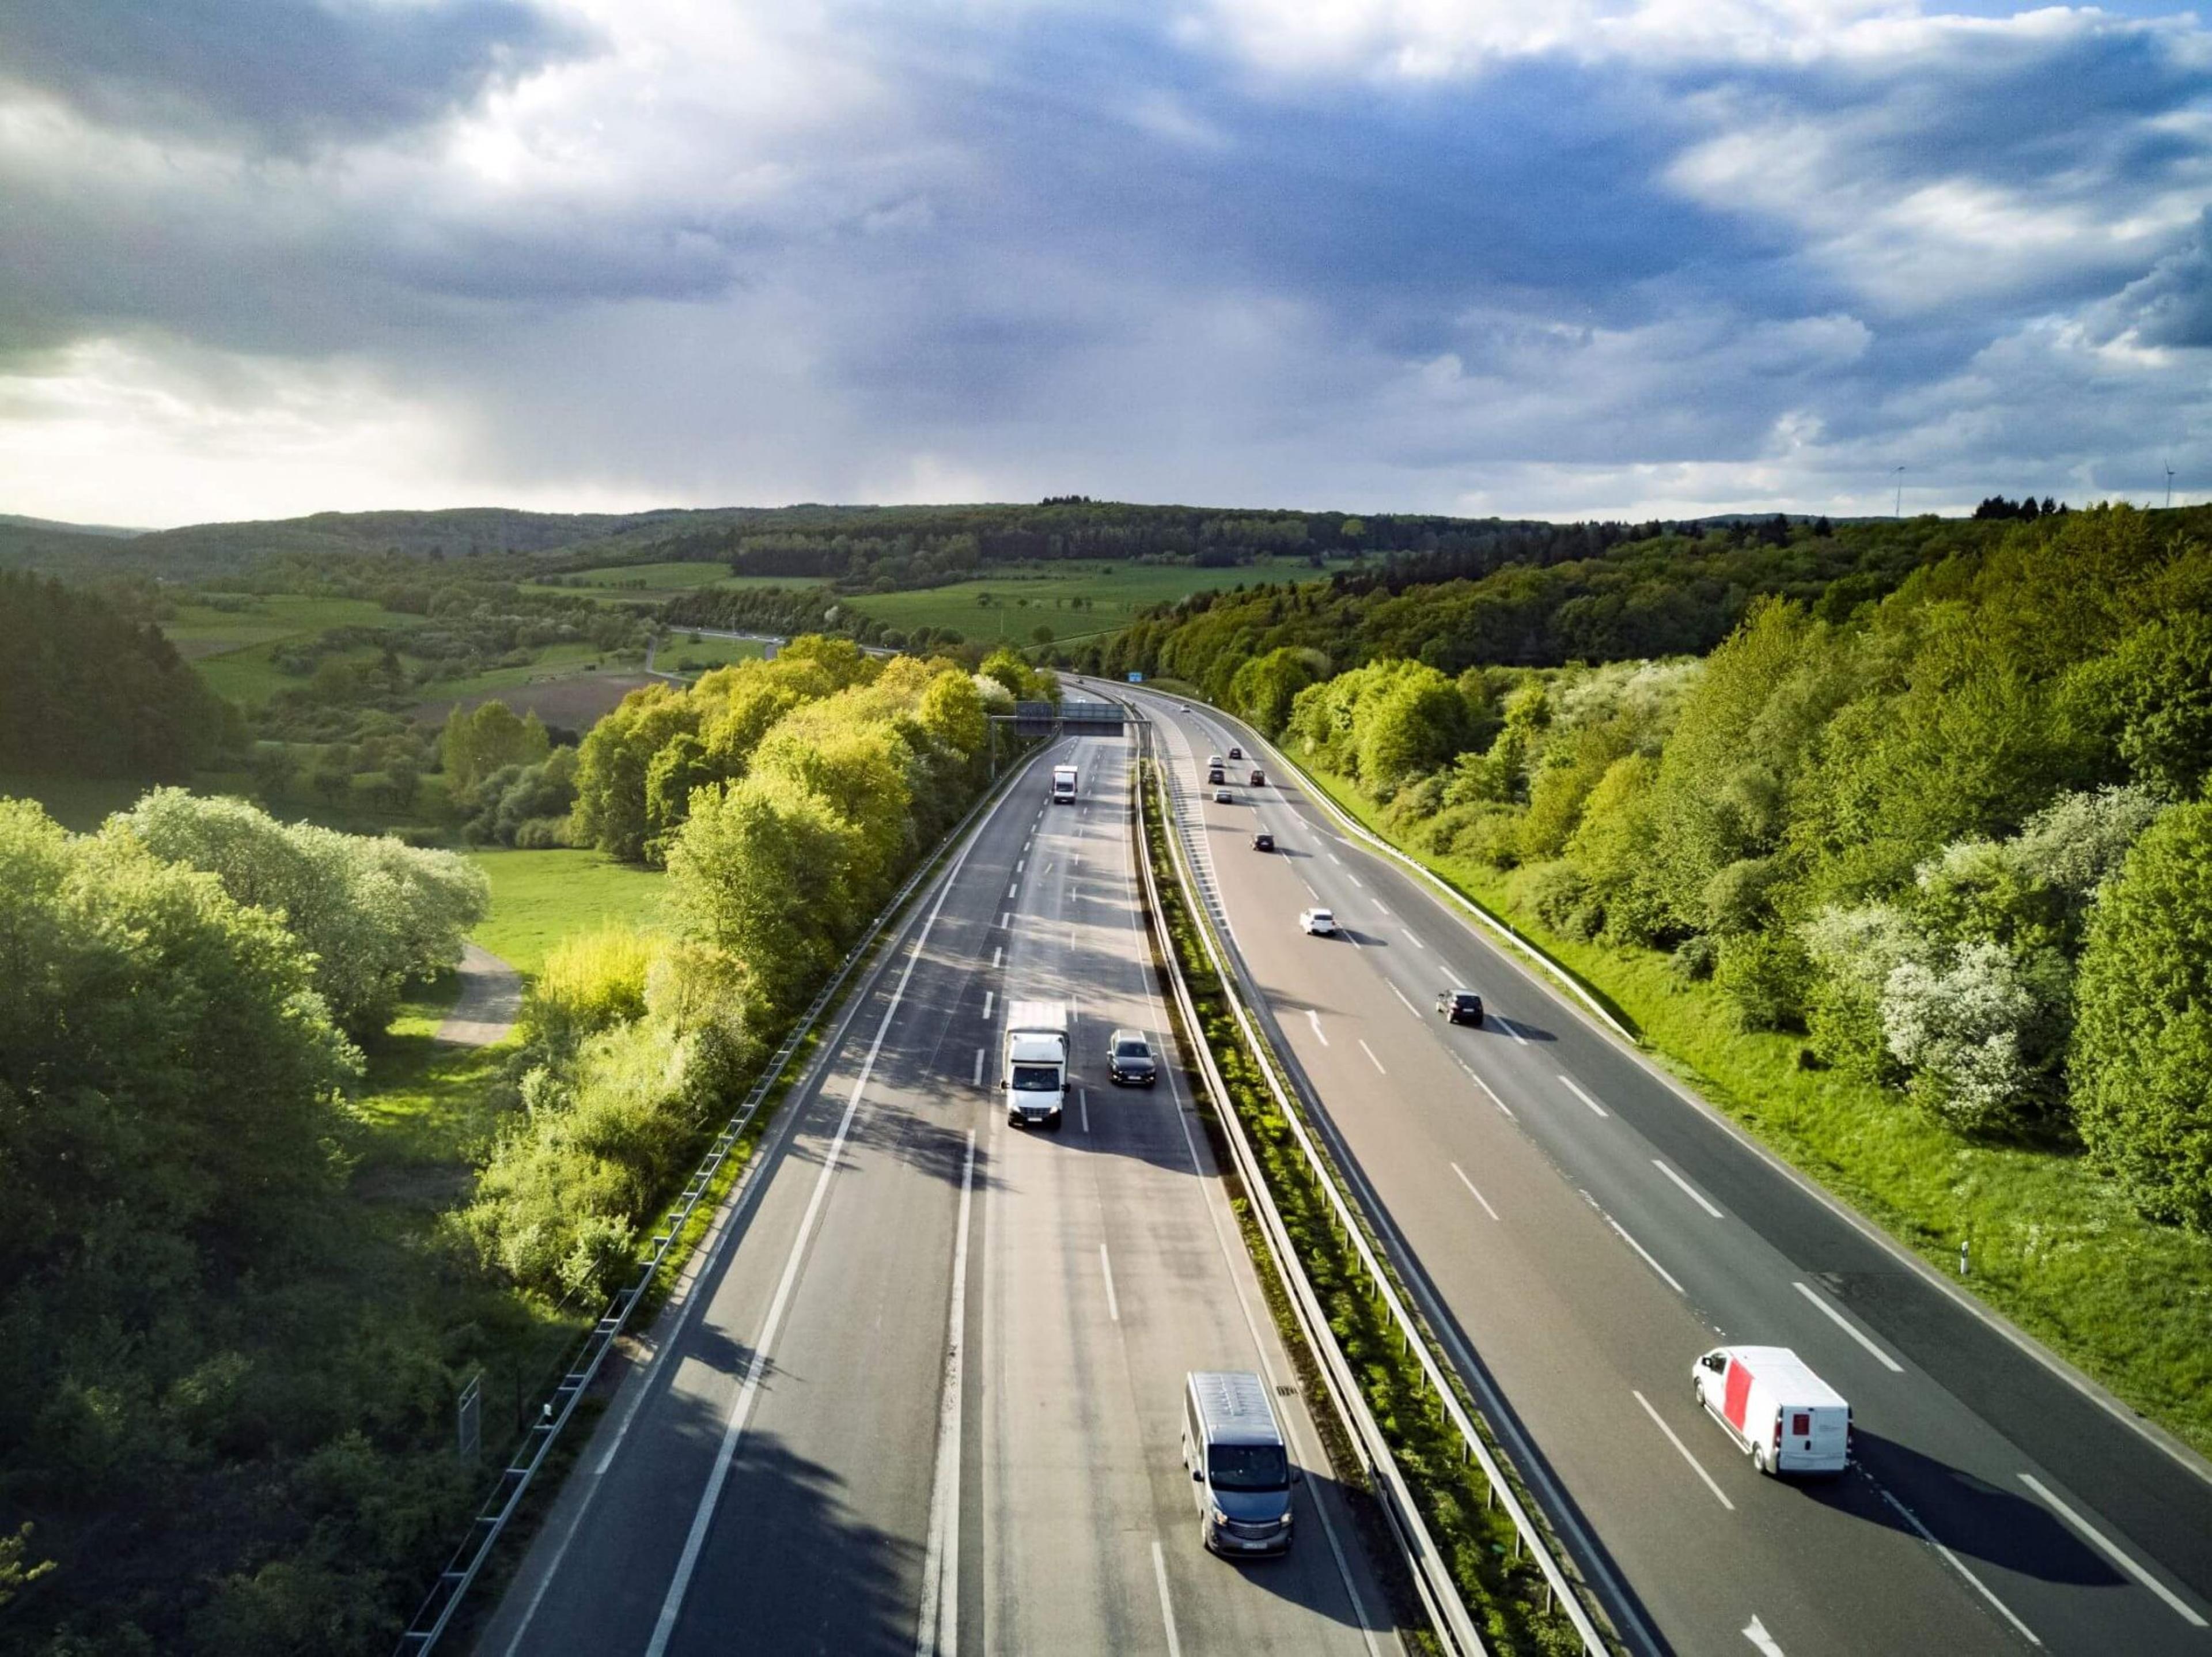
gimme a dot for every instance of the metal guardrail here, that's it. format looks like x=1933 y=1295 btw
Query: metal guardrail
x=1431 y=1576
x=444 y=1600
x=1416 y=1341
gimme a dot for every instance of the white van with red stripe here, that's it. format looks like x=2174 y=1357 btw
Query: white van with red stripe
x=1788 y=1418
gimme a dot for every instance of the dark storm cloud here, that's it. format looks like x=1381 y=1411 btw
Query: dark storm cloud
x=2173 y=305
x=286 y=74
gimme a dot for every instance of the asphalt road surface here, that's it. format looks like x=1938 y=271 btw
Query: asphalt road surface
x=1581 y=1231
x=925 y=1394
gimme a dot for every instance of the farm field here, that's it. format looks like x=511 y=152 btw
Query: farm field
x=660 y=580
x=678 y=655
x=538 y=897
x=553 y=661
x=231 y=649
x=1030 y=595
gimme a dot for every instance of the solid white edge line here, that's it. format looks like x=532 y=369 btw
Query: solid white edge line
x=1569 y=1082
x=1314 y=1018
x=1400 y=995
x=1106 y=1265
x=940 y=1636
x=1370 y=1052
x=1688 y=1190
x=1648 y=1260
x=2174 y=1601
x=741 y=1408
x=1851 y=1330
x=1167 y=1605
x=1695 y=1466
x=1957 y=1564
x=1473 y=1192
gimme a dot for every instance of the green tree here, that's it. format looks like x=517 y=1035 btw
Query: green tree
x=2159 y=686
x=478 y=742
x=2142 y=1061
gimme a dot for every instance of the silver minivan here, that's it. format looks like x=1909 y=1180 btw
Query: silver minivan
x=1233 y=1447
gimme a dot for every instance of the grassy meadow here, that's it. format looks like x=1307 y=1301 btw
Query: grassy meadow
x=538 y=897
x=1028 y=596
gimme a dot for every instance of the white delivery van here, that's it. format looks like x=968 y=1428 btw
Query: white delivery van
x=1063 y=785
x=1233 y=1447
x=1035 y=1075
x=1787 y=1417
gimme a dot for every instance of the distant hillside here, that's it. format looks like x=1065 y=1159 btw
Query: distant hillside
x=19 y=521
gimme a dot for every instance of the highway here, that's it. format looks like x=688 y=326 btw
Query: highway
x=924 y=1392
x=1580 y=1231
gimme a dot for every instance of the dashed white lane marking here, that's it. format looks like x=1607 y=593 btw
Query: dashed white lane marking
x=1414 y=939
x=1333 y=857
x=1356 y=880
x=1019 y=863
x=2174 y=1601
x=1695 y=1466
x=986 y=1006
x=1167 y=1605
x=1569 y=1082
x=1013 y=887
x=1958 y=1565
x=998 y=953
x=1473 y=1192
x=939 y=1634
x=1648 y=1260
x=1400 y=995
x=1106 y=1265
x=1371 y=1059
x=1754 y=1630
x=1083 y=1106
x=979 y=1067
x=1006 y=919
x=1513 y=1030
x=1851 y=1330
x=1314 y=1018
x=1487 y=1089
x=1688 y=1190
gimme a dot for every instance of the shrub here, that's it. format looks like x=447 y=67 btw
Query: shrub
x=1559 y=896
x=1765 y=976
x=591 y=981
x=1694 y=959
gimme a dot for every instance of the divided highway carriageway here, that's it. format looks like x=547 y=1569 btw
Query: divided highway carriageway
x=1579 y=1230
x=924 y=1395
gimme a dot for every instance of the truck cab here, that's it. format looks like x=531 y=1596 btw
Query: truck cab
x=1034 y=1075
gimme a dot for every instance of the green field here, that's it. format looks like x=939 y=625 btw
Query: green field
x=660 y=580
x=232 y=650
x=708 y=652
x=81 y=804
x=538 y=897
x=1030 y=595
x=553 y=661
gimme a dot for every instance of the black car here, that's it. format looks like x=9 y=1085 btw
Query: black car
x=1129 y=1059
x=1460 y=1006
x=1263 y=843
x=1237 y=753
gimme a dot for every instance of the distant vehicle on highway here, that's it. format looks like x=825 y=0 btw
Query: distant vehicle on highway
x=1063 y=785
x=1237 y=753
x=1263 y=840
x=1215 y=774
x=1460 y=1006
x=1233 y=1448
x=1259 y=777
x=1213 y=762
x=1787 y=1417
x=1129 y=1059
x=1035 y=1078
x=1223 y=797
x=1318 y=923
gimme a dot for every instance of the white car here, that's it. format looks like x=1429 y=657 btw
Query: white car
x=1318 y=923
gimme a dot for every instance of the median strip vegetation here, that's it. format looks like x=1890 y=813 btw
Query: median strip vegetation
x=1502 y=1587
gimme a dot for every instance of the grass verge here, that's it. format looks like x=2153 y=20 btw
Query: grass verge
x=538 y=897
x=2054 y=1248
x=1504 y=1590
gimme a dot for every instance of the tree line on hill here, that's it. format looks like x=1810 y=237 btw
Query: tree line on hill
x=1959 y=839
x=85 y=690
x=219 y=1439
x=1578 y=593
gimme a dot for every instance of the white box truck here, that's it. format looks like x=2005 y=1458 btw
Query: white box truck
x=1035 y=1075
x=1787 y=1417
x=1063 y=785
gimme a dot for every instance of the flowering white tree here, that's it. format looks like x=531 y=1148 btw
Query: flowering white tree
x=1959 y=1029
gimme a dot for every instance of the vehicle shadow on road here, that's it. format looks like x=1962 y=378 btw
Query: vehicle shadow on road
x=1307 y=1575
x=927 y=1143
x=1971 y=1517
x=1521 y=1027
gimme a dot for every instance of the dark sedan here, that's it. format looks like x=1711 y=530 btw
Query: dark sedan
x=1460 y=1006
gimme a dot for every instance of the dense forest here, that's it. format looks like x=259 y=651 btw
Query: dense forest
x=1534 y=598
x=86 y=690
x=1956 y=839
x=216 y=1440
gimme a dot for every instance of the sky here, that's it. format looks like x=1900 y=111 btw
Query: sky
x=1582 y=258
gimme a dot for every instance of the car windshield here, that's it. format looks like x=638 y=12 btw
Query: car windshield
x=1464 y=1000
x=1322 y=915
x=1037 y=1078
x=1248 y=1467
x=1132 y=1049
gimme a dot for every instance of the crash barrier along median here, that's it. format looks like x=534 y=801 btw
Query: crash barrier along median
x=1438 y=1588
x=446 y=1597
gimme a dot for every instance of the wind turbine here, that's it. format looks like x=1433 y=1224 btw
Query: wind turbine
x=2169 y=486
x=1896 y=506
